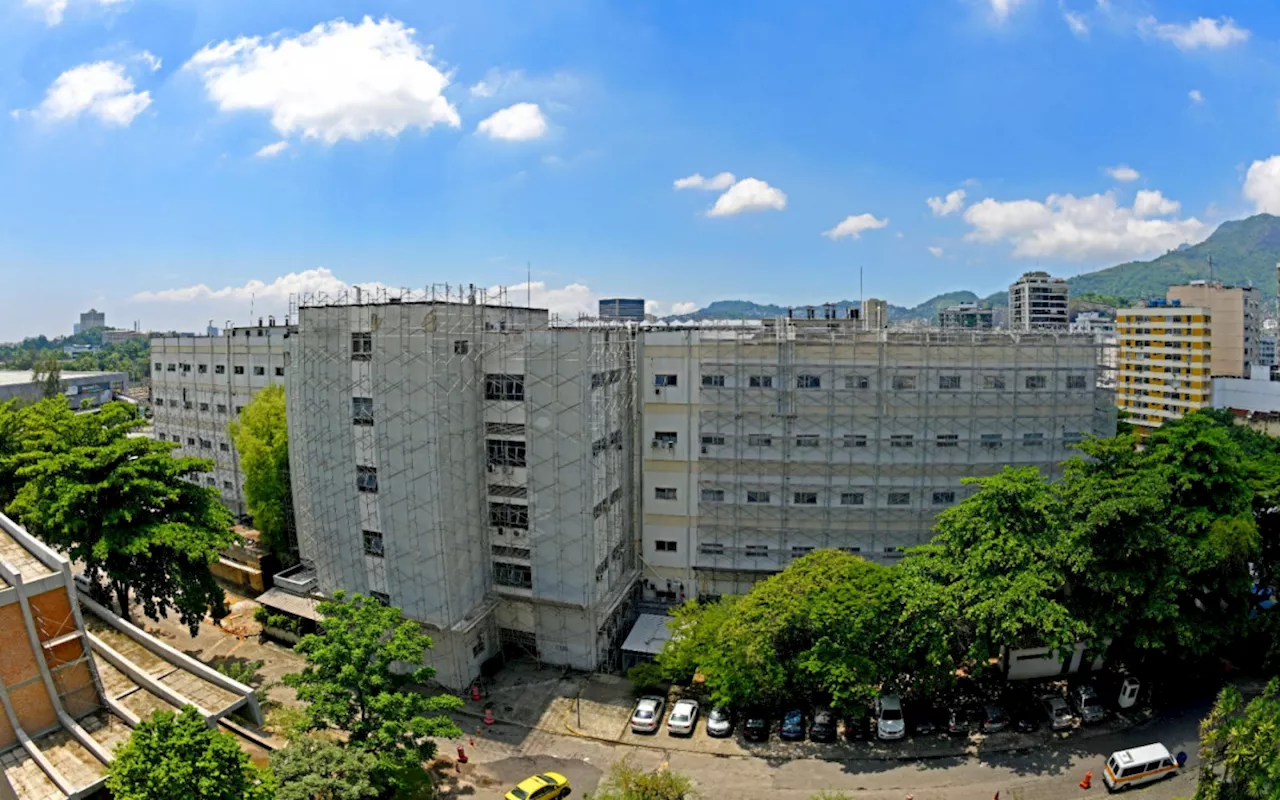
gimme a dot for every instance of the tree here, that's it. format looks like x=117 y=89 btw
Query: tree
x=179 y=757
x=350 y=685
x=123 y=507
x=46 y=373
x=261 y=437
x=626 y=781
x=310 y=768
x=695 y=630
x=1240 y=747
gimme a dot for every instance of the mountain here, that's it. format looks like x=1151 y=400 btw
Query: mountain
x=745 y=309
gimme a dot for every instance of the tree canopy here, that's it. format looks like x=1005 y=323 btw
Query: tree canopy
x=311 y=768
x=626 y=781
x=1240 y=747
x=261 y=437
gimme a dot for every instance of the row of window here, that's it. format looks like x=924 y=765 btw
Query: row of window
x=898 y=382
x=362 y=346
x=763 y=550
x=810 y=498
x=212 y=482
x=990 y=441
x=218 y=369
x=187 y=405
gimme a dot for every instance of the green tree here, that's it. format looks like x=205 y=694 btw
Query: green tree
x=46 y=372
x=350 y=685
x=310 y=768
x=695 y=630
x=179 y=757
x=626 y=781
x=1240 y=747
x=123 y=507
x=261 y=437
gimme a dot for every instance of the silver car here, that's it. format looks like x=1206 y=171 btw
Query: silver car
x=684 y=716
x=1087 y=705
x=719 y=722
x=1057 y=712
x=889 y=722
x=648 y=714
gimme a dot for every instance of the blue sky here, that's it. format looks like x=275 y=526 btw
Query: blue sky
x=167 y=160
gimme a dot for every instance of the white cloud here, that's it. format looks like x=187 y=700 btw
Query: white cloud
x=336 y=81
x=1077 y=228
x=899 y=234
x=936 y=252
x=1204 y=32
x=272 y=150
x=52 y=10
x=482 y=89
x=683 y=308
x=517 y=123
x=717 y=183
x=1123 y=173
x=1196 y=96
x=101 y=90
x=660 y=308
x=853 y=226
x=1076 y=23
x=1262 y=185
x=1001 y=9
x=748 y=194
x=953 y=202
x=149 y=58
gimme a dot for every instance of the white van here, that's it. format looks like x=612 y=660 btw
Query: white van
x=1138 y=766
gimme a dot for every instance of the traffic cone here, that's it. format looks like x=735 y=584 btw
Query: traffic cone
x=462 y=755
x=488 y=716
x=1088 y=781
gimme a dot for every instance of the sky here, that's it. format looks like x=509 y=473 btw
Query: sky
x=176 y=162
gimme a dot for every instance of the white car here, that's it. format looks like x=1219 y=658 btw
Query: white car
x=684 y=715
x=889 y=722
x=648 y=714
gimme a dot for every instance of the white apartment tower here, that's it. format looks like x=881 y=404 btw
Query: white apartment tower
x=471 y=465
x=1038 y=301
x=763 y=444
x=200 y=383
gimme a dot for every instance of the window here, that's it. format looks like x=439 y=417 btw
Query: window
x=664 y=493
x=219 y=369
x=799 y=551
x=516 y=575
x=948 y=440
x=191 y=441
x=992 y=441
x=226 y=484
x=367 y=479
x=944 y=498
x=513 y=491
x=158 y=367
x=461 y=347
x=757 y=497
x=713 y=380
x=239 y=409
x=186 y=367
x=855 y=440
x=210 y=482
x=362 y=410
x=713 y=495
x=857 y=382
x=664 y=380
x=206 y=444
x=852 y=498
x=503 y=551
x=805 y=499
x=504 y=428
x=1032 y=439
x=361 y=346
x=711 y=549
x=238 y=370
x=259 y=371
x=899 y=498
x=503 y=387
x=506 y=453
x=665 y=439
x=1075 y=382
x=851 y=549
x=760 y=381
x=204 y=406
x=808 y=382
x=381 y=598
x=901 y=440
x=759 y=440
x=757 y=549
x=202 y=369
x=664 y=546
x=279 y=372
x=903 y=382
x=224 y=447
x=508 y=515
x=177 y=438
x=948 y=382
x=186 y=404
x=1072 y=437
x=373 y=543
x=1036 y=382
x=171 y=368
x=159 y=401
x=709 y=439
x=807 y=440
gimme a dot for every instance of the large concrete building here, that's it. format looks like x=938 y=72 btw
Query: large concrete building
x=967 y=316
x=1165 y=361
x=90 y=320
x=1237 y=323
x=80 y=388
x=762 y=445
x=199 y=384
x=472 y=466
x=1038 y=301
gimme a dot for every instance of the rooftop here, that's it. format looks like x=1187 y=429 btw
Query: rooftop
x=17 y=377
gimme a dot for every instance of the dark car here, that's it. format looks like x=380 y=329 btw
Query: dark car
x=1026 y=717
x=792 y=728
x=857 y=728
x=926 y=722
x=755 y=727
x=994 y=718
x=823 y=726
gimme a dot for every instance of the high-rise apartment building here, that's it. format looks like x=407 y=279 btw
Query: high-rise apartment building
x=761 y=445
x=1237 y=323
x=90 y=320
x=966 y=316
x=1038 y=301
x=1165 y=361
x=875 y=314
x=472 y=466
x=199 y=384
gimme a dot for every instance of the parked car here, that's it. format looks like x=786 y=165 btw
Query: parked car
x=823 y=726
x=648 y=714
x=547 y=786
x=994 y=718
x=1057 y=712
x=1026 y=717
x=683 y=719
x=755 y=727
x=1086 y=703
x=792 y=728
x=719 y=721
x=857 y=727
x=957 y=721
x=889 y=722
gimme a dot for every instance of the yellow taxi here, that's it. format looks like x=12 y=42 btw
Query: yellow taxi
x=547 y=786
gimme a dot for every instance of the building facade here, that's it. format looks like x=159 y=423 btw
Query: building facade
x=1267 y=350
x=969 y=316
x=120 y=337
x=472 y=466
x=1038 y=301
x=1237 y=323
x=762 y=445
x=80 y=388
x=1093 y=322
x=875 y=314
x=620 y=309
x=199 y=384
x=1164 y=361
x=89 y=320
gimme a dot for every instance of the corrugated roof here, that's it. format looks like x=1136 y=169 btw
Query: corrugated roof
x=281 y=600
x=647 y=636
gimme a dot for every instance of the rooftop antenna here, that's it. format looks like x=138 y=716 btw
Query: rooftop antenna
x=1210 y=269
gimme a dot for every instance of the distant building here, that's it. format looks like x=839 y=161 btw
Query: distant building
x=875 y=314
x=1237 y=322
x=95 y=388
x=89 y=320
x=1093 y=322
x=1164 y=361
x=1254 y=400
x=74 y=350
x=1038 y=301
x=120 y=337
x=622 y=309
x=1267 y=350
x=966 y=315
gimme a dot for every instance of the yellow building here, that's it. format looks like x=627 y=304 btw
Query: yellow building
x=1164 y=361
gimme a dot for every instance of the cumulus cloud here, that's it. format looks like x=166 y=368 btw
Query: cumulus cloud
x=748 y=194
x=336 y=81
x=1123 y=173
x=55 y=10
x=101 y=90
x=1001 y=9
x=942 y=206
x=717 y=183
x=1262 y=185
x=1077 y=228
x=1076 y=23
x=272 y=150
x=852 y=226
x=936 y=252
x=518 y=123
x=1207 y=33
x=1196 y=96
x=149 y=58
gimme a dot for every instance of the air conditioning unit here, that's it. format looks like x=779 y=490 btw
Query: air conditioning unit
x=704 y=449
x=671 y=445
x=657 y=391
x=657 y=443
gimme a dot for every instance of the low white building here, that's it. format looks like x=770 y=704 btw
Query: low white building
x=1255 y=400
